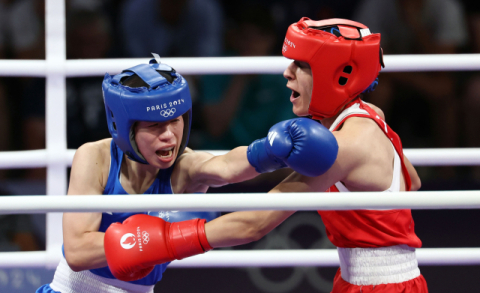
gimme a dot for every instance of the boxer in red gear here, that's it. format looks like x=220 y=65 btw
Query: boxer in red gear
x=336 y=60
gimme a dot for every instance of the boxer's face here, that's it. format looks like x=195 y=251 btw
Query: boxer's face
x=300 y=81
x=159 y=142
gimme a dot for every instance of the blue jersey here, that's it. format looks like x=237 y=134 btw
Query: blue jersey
x=161 y=185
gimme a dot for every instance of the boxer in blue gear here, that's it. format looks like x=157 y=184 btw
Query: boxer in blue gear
x=148 y=110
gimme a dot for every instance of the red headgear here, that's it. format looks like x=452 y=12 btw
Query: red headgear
x=342 y=66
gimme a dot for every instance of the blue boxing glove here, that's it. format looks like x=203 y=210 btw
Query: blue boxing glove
x=302 y=144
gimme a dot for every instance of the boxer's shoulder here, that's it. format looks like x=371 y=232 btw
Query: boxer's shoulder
x=97 y=151
x=92 y=160
x=356 y=133
x=362 y=144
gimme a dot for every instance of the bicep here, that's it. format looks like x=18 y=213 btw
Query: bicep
x=85 y=179
x=210 y=170
x=75 y=225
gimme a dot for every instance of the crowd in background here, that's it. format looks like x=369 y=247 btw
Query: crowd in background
x=427 y=109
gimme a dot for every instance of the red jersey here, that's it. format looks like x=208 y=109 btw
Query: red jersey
x=371 y=228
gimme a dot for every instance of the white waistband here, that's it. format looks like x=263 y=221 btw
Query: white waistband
x=375 y=266
x=67 y=281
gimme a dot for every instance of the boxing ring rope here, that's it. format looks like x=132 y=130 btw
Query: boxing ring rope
x=252 y=201
x=228 y=65
x=260 y=258
x=229 y=202
x=56 y=157
x=418 y=157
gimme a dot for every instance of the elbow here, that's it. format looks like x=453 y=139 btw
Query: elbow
x=74 y=261
x=416 y=185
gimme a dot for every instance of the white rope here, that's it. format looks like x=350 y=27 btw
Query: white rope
x=238 y=202
x=444 y=157
x=418 y=157
x=233 y=65
x=260 y=258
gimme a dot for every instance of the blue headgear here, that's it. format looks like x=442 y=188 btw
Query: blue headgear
x=161 y=101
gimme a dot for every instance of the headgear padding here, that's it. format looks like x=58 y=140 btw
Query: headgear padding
x=343 y=64
x=161 y=101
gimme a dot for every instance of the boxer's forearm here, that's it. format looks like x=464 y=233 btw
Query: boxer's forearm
x=243 y=227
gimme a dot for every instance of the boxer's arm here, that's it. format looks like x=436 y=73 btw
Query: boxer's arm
x=302 y=144
x=239 y=228
x=416 y=182
x=83 y=244
x=205 y=169
x=243 y=227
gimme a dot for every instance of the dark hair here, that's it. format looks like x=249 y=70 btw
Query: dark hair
x=135 y=80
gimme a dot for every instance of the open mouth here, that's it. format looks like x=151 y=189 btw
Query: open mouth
x=295 y=94
x=165 y=153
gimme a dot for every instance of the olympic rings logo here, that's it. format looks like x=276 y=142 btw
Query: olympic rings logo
x=168 y=112
x=283 y=238
x=145 y=237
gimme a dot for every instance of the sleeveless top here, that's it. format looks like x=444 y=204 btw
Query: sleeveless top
x=161 y=185
x=371 y=228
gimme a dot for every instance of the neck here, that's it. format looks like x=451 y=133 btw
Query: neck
x=328 y=122
x=137 y=177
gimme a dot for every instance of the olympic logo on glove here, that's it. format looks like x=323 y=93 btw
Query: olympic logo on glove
x=127 y=243
x=145 y=237
x=168 y=112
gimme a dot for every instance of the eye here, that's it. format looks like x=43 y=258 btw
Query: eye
x=153 y=124
x=301 y=64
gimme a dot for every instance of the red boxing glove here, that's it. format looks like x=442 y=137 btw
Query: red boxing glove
x=133 y=248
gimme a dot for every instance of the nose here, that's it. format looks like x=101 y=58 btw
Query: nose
x=289 y=72
x=166 y=134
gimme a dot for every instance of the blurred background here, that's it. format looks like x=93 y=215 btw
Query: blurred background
x=427 y=110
